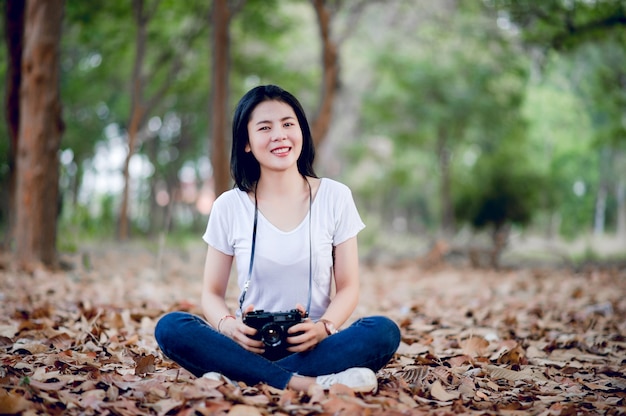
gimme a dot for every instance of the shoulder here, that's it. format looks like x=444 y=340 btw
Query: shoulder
x=335 y=196
x=230 y=200
x=333 y=187
x=234 y=194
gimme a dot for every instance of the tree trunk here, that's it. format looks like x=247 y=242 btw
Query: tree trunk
x=14 y=36
x=137 y=112
x=600 y=211
x=40 y=131
x=330 y=79
x=220 y=44
x=599 y=217
x=443 y=154
x=500 y=238
x=620 y=193
x=142 y=106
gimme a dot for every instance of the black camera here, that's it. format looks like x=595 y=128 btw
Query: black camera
x=272 y=327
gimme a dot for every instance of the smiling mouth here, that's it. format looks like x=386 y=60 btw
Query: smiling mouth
x=281 y=150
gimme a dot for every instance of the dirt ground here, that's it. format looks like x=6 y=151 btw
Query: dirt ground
x=523 y=340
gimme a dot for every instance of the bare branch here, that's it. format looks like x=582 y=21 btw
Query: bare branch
x=558 y=41
x=156 y=98
x=149 y=14
x=355 y=11
x=235 y=6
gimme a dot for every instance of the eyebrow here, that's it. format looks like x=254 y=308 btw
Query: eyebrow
x=282 y=119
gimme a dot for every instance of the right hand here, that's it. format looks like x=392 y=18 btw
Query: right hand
x=242 y=333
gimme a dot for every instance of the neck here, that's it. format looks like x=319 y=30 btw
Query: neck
x=280 y=184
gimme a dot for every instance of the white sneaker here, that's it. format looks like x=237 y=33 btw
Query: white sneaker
x=361 y=380
x=212 y=375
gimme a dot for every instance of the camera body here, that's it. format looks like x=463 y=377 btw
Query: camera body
x=272 y=327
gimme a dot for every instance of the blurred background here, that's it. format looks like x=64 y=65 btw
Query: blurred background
x=462 y=127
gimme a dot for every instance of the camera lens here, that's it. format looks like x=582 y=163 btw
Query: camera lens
x=271 y=334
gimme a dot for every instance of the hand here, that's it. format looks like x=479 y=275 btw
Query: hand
x=311 y=333
x=242 y=333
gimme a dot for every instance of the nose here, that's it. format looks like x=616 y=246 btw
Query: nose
x=278 y=134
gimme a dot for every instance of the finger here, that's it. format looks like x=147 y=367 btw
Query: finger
x=301 y=308
x=302 y=347
x=249 y=343
x=255 y=347
x=306 y=337
x=303 y=327
x=245 y=328
x=248 y=330
x=256 y=350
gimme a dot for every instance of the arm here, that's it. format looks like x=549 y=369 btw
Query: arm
x=217 y=268
x=216 y=275
x=346 y=269
x=347 y=283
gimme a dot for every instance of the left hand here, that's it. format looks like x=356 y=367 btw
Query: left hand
x=312 y=333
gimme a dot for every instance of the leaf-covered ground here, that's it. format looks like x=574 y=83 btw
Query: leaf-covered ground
x=524 y=341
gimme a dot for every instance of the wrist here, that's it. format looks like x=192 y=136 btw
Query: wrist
x=329 y=327
x=221 y=321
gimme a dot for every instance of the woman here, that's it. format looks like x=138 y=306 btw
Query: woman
x=293 y=237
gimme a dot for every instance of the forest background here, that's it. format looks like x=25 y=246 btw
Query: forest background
x=484 y=142
x=454 y=121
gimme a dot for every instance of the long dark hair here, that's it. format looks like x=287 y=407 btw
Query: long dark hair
x=244 y=168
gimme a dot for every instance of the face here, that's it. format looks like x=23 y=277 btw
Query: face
x=275 y=136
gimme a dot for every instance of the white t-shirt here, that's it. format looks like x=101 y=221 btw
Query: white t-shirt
x=280 y=275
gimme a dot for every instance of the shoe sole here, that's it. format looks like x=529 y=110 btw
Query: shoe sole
x=364 y=389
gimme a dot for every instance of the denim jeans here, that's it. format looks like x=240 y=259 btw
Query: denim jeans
x=191 y=342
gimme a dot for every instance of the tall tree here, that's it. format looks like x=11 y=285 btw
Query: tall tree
x=142 y=103
x=330 y=71
x=563 y=25
x=326 y=10
x=421 y=101
x=14 y=36
x=40 y=131
x=220 y=18
x=139 y=107
x=593 y=31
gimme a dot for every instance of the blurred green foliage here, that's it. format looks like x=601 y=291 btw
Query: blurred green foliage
x=502 y=189
x=501 y=111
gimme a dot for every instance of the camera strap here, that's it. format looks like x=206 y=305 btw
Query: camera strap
x=254 y=227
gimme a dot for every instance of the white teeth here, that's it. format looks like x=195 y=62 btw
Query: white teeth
x=281 y=150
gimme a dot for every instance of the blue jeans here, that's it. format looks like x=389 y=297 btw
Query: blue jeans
x=191 y=342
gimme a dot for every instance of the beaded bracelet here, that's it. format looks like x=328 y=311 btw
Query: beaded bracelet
x=219 y=323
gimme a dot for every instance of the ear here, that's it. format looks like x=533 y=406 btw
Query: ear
x=247 y=148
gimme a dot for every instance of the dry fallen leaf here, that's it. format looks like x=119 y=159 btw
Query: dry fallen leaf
x=244 y=410
x=474 y=342
x=145 y=365
x=497 y=373
x=439 y=393
x=342 y=405
x=12 y=403
x=475 y=346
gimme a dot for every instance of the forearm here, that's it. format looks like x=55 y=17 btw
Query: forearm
x=343 y=304
x=223 y=320
x=216 y=273
x=346 y=271
x=214 y=309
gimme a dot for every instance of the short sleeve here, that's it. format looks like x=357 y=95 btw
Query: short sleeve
x=218 y=233
x=348 y=222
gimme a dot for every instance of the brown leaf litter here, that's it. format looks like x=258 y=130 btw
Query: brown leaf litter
x=524 y=341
